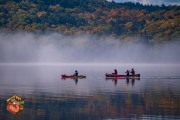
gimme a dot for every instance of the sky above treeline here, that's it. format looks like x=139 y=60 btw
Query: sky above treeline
x=153 y=2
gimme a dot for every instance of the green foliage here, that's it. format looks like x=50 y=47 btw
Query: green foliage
x=91 y=16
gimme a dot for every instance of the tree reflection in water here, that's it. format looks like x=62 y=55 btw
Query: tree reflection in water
x=97 y=106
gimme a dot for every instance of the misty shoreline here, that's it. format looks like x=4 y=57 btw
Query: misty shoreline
x=94 y=64
x=58 y=48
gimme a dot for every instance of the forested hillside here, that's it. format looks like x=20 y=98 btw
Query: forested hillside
x=119 y=20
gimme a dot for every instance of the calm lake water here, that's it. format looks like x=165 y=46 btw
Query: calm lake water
x=47 y=97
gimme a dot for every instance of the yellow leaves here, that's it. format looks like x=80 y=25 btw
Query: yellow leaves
x=21 y=11
x=140 y=15
x=34 y=26
x=95 y=30
x=113 y=13
x=33 y=5
x=60 y=28
x=87 y=15
x=28 y=28
x=54 y=6
x=11 y=6
x=128 y=24
x=40 y=14
x=164 y=24
x=168 y=24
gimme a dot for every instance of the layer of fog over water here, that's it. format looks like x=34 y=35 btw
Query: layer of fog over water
x=151 y=2
x=32 y=64
x=57 y=48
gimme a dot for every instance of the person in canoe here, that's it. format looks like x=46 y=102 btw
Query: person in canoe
x=115 y=72
x=76 y=73
x=132 y=72
x=127 y=73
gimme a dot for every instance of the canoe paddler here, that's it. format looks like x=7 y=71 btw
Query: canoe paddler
x=115 y=72
x=76 y=73
x=127 y=73
x=132 y=71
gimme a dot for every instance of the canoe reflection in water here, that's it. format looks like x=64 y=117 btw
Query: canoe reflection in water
x=128 y=80
x=73 y=78
x=132 y=81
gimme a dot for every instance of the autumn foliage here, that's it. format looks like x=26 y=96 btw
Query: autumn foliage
x=160 y=23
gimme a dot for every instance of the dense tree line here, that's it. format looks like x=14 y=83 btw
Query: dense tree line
x=159 y=23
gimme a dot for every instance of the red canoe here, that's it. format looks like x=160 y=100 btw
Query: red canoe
x=122 y=76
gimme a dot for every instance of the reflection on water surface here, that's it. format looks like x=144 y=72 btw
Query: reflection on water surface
x=155 y=95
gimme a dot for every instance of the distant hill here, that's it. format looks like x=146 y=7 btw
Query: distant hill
x=119 y=20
